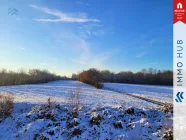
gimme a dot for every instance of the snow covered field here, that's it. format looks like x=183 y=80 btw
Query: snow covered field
x=103 y=114
x=159 y=93
x=60 y=91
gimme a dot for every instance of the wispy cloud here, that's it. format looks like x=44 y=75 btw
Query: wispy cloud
x=73 y=43
x=141 y=54
x=92 y=29
x=99 y=32
x=63 y=17
x=81 y=53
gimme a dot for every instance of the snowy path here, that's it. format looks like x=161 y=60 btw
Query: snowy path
x=142 y=98
x=157 y=93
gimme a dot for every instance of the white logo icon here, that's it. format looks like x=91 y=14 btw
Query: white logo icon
x=179 y=5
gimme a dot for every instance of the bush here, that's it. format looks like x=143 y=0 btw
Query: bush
x=96 y=119
x=92 y=77
x=6 y=105
x=45 y=111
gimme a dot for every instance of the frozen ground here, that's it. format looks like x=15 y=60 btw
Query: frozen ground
x=103 y=114
x=159 y=93
x=56 y=122
x=60 y=91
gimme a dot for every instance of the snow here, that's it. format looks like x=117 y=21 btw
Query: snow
x=102 y=114
x=60 y=91
x=58 y=122
x=159 y=93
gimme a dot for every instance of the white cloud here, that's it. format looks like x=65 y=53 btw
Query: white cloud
x=63 y=17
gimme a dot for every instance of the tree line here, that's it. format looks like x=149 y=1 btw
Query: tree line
x=32 y=76
x=145 y=76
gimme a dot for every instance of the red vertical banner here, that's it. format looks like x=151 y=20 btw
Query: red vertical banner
x=179 y=11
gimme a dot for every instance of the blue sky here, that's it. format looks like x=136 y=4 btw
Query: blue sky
x=66 y=36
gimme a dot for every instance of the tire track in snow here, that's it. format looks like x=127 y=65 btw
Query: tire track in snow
x=140 y=97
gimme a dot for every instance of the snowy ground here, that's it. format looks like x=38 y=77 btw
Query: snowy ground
x=103 y=114
x=60 y=91
x=159 y=93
